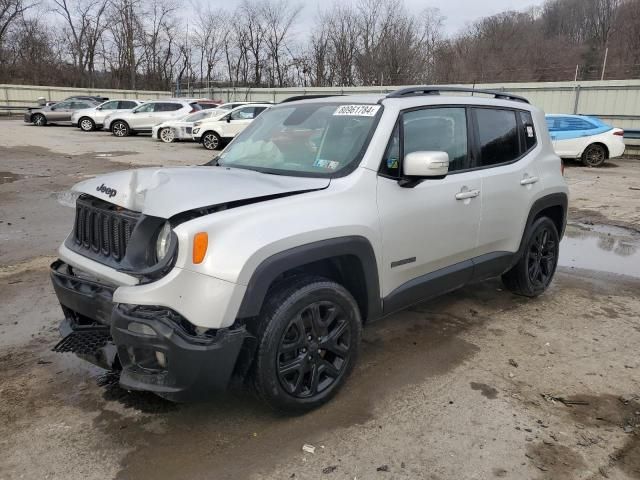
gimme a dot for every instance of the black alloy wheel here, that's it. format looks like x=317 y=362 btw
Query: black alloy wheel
x=594 y=155
x=538 y=260
x=542 y=257
x=308 y=335
x=314 y=349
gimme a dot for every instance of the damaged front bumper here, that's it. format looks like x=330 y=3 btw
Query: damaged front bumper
x=155 y=348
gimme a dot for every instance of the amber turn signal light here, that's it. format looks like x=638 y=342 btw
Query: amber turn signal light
x=200 y=244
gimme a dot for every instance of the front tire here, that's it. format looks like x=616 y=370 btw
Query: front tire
x=120 y=129
x=594 y=155
x=39 y=120
x=309 y=336
x=167 y=135
x=534 y=271
x=211 y=140
x=86 y=124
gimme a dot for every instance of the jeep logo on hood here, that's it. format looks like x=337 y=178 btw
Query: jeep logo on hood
x=110 y=192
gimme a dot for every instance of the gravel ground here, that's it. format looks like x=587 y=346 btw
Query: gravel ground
x=477 y=384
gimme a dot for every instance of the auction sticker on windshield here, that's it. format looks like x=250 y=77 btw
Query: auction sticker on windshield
x=357 y=110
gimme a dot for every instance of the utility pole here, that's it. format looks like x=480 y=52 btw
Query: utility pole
x=604 y=64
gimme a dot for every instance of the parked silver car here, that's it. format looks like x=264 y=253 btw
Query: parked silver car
x=89 y=119
x=144 y=117
x=58 y=113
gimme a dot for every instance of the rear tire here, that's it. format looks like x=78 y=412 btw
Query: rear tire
x=594 y=155
x=86 y=124
x=211 y=140
x=534 y=271
x=39 y=120
x=120 y=129
x=309 y=333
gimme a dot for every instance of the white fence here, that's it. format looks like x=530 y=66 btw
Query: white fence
x=22 y=96
x=615 y=101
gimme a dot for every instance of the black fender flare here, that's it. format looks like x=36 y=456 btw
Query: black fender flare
x=552 y=200
x=271 y=268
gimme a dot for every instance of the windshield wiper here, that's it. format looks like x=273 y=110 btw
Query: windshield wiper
x=213 y=162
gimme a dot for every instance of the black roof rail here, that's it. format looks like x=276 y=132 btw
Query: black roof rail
x=436 y=89
x=308 y=97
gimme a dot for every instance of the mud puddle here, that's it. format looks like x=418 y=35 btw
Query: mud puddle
x=9 y=177
x=601 y=248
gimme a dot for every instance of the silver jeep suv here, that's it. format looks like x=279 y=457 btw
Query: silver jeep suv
x=321 y=217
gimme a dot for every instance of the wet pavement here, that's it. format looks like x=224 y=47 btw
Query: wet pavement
x=601 y=248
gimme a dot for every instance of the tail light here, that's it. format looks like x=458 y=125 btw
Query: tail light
x=619 y=133
x=193 y=110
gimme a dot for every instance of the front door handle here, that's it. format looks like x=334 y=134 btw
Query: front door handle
x=529 y=180
x=467 y=194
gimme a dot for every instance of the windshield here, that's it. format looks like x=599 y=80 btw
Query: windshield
x=310 y=139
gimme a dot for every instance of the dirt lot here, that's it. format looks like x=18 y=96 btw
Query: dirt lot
x=478 y=384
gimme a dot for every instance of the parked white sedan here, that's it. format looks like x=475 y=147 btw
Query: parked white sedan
x=89 y=119
x=586 y=138
x=214 y=131
x=181 y=128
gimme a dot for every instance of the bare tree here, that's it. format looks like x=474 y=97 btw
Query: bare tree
x=279 y=15
x=11 y=11
x=210 y=35
x=83 y=30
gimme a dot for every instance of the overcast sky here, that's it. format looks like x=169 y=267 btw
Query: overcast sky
x=457 y=12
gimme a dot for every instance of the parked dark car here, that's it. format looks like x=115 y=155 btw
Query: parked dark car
x=57 y=113
x=90 y=98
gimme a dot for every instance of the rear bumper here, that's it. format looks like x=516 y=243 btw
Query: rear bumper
x=156 y=348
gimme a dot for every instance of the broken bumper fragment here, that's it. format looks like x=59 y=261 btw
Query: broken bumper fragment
x=155 y=348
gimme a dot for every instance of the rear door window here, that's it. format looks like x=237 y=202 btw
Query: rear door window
x=109 y=106
x=167 y=107
x=147 y=107
x=497 y=136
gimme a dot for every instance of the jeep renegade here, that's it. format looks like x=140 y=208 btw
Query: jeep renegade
x=322 y=216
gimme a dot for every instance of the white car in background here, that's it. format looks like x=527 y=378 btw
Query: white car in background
x=142 y=119
x=213 y=132
x=180 y=129
x=586 y=138
x=89 y=119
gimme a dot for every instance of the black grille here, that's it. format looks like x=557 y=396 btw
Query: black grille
x=103 y=228
x=86 y=341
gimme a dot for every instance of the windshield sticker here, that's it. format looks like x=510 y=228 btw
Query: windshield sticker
x=330 y=164
x=529 y=131
x=357 y=110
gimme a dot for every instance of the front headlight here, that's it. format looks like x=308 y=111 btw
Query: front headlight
x=163 y=242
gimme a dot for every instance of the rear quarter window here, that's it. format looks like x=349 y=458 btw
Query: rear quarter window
x=497 y=135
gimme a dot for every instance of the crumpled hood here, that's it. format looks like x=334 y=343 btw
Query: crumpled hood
x=164 y=192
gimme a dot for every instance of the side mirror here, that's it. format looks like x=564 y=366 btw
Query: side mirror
x=228 y=118
x=426 y=164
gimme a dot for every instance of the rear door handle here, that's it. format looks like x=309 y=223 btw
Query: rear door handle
x=467 y=194
x=529 y=180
